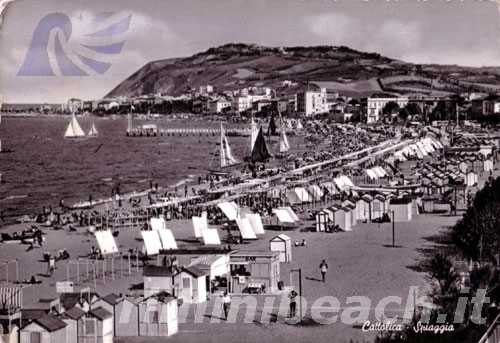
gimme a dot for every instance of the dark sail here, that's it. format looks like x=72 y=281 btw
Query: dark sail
x=272 y=130
x=259 y=151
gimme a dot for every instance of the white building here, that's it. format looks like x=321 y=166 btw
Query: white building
x=241 y=103
x=376 y=105
x=311 y=103
x=206 y=89
x=217 y=106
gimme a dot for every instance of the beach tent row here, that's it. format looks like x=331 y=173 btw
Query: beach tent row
x=420 y=149
x=106 y=242
x=299 y=195
x=159 y=237
x=286 y=215
x=250 y=224
x=202 y=231
x=376 y=173
x=343 y=183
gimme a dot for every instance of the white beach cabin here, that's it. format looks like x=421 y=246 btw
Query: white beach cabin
x=190 y=285
x=402 y=209
x=158 y=315
x=282 y=244
x=46 y=329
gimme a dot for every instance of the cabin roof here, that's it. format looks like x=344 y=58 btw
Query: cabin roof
x=100 y=313
x=111 y=299
x=74 y=313
x=50 y=323
x=69 y=300
x=194 y=270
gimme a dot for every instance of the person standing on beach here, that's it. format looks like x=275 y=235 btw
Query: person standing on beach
x=226 y=303
x=323 y=268
x=293 y=303
x=185 y=191
x=51 y=265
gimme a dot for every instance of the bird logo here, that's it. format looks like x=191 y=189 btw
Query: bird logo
x=61 y=46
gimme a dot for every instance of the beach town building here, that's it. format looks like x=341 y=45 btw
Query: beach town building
x=241 y=103
x=486 y=106
x=206 y=89
x=311 y=103
x=376 y=103
x=254 y=271
x=218 y=106
x=74 y=105
x=107 y=105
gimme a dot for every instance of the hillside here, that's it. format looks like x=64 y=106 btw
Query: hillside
x=234 y=66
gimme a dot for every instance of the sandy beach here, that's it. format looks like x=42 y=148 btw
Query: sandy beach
x=361 y=263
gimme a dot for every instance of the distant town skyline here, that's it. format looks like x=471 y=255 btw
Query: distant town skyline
x=433 y=31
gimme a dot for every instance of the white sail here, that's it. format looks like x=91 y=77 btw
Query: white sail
x=130 y=125
x=226 y=155
x=74 y=129
x=253 y=134
x=93 y=131
x=284 y=146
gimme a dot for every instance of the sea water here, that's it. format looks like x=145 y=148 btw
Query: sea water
x=43 y=167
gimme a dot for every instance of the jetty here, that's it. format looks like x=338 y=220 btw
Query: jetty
x=153 y=131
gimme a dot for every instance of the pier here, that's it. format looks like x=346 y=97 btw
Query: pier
x=150 y=131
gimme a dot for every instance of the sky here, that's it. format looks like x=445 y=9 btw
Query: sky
x=465 y=32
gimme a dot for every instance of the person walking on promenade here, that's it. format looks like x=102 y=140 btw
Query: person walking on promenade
x=51 y=265
x=293 y=303
x=226 y=303
x=323 y=268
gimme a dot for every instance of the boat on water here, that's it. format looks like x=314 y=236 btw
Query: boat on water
x=225 y=153
x=74 y=130
x=260 y=152
x=93 y=131
x=254 y=131
x=284 y=145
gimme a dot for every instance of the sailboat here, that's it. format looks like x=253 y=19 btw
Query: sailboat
x=254 y=131
x=74 y=130
x=284 y=146
x=93 y=131
x=260 y=153
x=225 y=153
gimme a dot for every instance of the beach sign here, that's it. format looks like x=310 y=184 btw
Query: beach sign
x=64 y=287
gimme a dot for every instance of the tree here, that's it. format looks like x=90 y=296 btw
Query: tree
x=403 y=114
x=390 y=108
x=477 y=234
x=413 y=109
